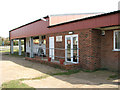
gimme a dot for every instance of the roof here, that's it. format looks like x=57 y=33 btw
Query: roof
x=55 y=15
x=62 y=18
x=41 y=27
x=29 y=23
x=68 y=21
x=85 y=18
x=74 y=14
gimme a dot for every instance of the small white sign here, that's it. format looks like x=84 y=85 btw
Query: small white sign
x=58 y=38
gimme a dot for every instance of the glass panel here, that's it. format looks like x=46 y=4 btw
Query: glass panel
x=117 y=40
x=68 y=49
x=75 y=49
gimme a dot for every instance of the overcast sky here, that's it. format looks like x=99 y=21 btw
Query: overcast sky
x=14 y=13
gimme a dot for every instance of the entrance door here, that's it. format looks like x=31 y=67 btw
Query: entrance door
x=51 y=47
x=71 y=48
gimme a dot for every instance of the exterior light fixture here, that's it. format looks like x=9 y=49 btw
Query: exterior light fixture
x=70 y=32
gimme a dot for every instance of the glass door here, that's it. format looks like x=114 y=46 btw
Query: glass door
x=51 y=47
x=68 y=49
x=71 y=48
x=75 y=48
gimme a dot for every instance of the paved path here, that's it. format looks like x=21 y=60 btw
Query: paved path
x=17 y=68
x=80 y=80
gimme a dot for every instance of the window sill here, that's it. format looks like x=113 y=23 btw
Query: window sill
x=115 y=50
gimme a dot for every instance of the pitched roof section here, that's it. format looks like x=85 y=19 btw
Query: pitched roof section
x=62 y=18
x=29 y=23
x=80 y=19
x=39 y=27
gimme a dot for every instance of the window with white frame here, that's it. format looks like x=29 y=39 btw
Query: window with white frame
x=117 y=40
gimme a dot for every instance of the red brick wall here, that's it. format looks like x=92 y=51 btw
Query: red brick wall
x=89 y=44
x=95 y=50
x=90 y=49
x=109 y=58
x=59 y=44
x=96 y=47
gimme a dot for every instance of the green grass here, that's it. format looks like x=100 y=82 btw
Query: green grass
x=88 y=71
x=16 y=84
x=36 y=78
x=15 y=54
x=19 y=84
x=5 y=50
x=115 y=76
x=100 y=69
x=0 y=88
x=69 y=72
x=8 y=50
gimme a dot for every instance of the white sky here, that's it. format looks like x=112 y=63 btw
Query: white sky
x=14 y=13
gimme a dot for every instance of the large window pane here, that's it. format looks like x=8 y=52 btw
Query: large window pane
x=69 y=49
x=117 y=39
x=74 y=49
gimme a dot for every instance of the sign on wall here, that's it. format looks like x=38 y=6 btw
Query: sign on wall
x=58 y=38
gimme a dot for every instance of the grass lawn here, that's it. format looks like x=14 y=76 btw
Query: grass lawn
x=4 y=49
x=16 y=84
x=8 y=50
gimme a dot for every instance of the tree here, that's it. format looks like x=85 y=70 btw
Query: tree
x=15 y=42
x=6 y=41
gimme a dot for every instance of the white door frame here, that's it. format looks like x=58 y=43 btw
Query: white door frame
x=71 y=37
x=51 y=49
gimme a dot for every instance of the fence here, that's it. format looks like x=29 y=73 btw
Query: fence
x=57 y=53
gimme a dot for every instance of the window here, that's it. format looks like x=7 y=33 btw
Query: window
x=117 y=40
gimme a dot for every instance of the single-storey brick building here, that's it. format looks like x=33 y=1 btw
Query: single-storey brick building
x=88 y=41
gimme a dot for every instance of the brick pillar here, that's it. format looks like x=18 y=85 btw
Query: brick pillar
x=90 y=49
